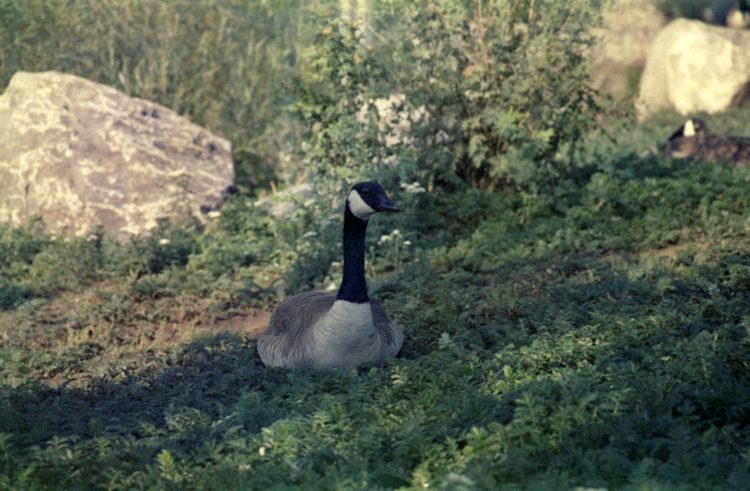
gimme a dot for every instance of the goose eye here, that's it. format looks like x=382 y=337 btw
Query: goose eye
x=365 y=191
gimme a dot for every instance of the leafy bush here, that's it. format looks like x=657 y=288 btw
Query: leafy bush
x=19 y=246
x=11 y=294
x=495 y=93
x=33 y=262
x=68 y=263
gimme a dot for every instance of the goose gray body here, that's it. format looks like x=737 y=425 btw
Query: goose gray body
x=314 y=330
x=325 y=331
x=692 y=140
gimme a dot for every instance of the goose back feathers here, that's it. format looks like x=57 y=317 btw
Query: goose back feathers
x=326 y=331
x=692 y=140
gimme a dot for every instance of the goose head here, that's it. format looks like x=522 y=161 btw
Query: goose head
x=367 y=198
x=690 y=129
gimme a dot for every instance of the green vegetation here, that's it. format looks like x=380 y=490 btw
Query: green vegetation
x=494 y=94
x=603 y=343
x=692 y=9
x=587 y=324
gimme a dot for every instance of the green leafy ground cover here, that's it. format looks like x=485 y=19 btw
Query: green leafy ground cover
x=586 y=324
x=600 y=343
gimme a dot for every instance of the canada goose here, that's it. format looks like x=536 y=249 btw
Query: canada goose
x=324 y=331
x=730 y=13
x=693 y=140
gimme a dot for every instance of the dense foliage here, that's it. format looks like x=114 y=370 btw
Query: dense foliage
x=495 y=93
x=603 y=344
x=588 y=325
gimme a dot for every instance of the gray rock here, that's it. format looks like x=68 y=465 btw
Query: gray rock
x=628 y=28
x=695 y=67
x=80 y=154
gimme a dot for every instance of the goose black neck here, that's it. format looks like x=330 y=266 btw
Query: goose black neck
x=353 y=286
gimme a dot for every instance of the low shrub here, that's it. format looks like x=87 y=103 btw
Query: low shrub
x=493 y=93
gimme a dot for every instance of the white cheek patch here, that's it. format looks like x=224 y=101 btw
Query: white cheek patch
x=689 y=130
x=358 y=207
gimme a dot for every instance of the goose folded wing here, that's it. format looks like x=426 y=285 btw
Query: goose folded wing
x=389 y=331
x=300 y=312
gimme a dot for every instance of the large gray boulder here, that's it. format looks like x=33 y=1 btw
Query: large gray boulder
x=622 y=43
x=80 y=154
x=695 y=67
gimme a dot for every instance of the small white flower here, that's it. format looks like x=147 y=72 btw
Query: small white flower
x=445 y=340
x=214 y=214
x=262 y=451
x=403 y=125
x=442 y=137
x=390 y=160
x=164 y=241
x=331 y=287
x=361 y=115
x=407 y=243
x=397 y=99
x=391 y=140
x=419 y=113
x=395 y=235
x=383 y=107
x=413 y=188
